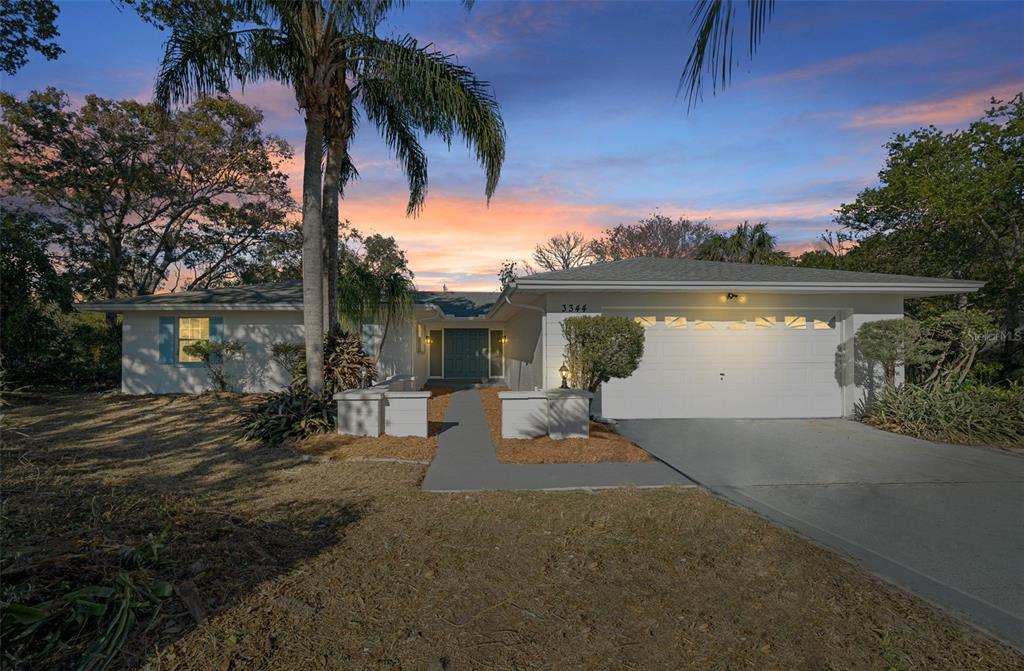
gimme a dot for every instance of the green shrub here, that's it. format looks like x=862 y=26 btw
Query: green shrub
x=972 y=414
x=346 y=363
x=892 y=343
x=214 y=355
x=291 y=414
x=290 y=356
x=96 y=619
x=600 y=348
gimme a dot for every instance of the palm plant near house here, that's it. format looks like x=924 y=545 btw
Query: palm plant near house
x=747 y=244
x=329 y=53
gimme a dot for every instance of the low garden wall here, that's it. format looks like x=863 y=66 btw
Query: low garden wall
x=385 y=409
x=559 y=413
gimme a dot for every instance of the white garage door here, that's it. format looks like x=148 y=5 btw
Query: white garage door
x=703 y=364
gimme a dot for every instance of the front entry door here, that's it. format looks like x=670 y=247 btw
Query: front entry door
x=465 y=353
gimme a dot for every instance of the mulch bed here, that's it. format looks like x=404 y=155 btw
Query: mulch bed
x=604 y=445
x=402 y=448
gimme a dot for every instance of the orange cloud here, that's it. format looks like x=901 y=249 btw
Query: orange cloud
x=458 y=235
x=964 y=107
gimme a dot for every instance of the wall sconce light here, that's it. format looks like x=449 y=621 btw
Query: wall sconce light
x=428 y=340
x=564 y=372
x=503 y=340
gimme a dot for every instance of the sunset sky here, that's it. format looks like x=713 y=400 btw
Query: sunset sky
x=596 y=134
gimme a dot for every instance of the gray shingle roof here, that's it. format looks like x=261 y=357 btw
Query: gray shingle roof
x=657 y=270
x=459 y=303
x=284 y=296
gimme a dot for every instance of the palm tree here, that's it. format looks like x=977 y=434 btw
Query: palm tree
x=747 y=244
x=215 y=43
x=713 y=45
x=405 y=90
x=315 y=47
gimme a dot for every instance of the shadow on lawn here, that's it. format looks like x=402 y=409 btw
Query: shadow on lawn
x=92 y=476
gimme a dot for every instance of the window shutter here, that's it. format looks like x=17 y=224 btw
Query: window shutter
x=166 y=337
x=216 y=335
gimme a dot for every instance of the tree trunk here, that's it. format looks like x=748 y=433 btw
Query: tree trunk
x=332 y=185
x=312 y=252
x=1011 y=328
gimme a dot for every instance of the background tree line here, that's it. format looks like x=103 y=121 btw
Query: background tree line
x=117 y=199
x=948 y=204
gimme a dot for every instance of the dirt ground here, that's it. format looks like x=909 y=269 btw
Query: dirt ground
x=401 y=448
x=603 y=445
x=349 y=565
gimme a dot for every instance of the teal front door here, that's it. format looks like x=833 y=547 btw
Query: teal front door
x=465 y=353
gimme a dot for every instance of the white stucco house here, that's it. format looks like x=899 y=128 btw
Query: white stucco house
x=722 y=339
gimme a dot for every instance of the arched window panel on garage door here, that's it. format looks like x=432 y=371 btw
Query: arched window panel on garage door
x=646 y=321
x=675 y=322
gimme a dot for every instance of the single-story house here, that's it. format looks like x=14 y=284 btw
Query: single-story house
x=722 y=339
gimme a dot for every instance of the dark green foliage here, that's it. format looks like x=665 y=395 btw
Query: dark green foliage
x=950 y=204
x=375 y=284
x=290 y=356
x=215 y=355
x=747 y=244
x=196 y=192
x=291 y=414
x=893 y=342
x=94 y=620
x=600 y=348
x=712 y=52
x=296 y=412
x=346 y=363
x=972 y=414
x=27 y=25
x=42 y=340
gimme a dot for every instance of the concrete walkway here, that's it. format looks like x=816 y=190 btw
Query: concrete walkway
x=943 y=521
x=466 y=461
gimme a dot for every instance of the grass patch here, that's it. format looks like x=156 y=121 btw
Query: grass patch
x=350 y=565
x=604 y=445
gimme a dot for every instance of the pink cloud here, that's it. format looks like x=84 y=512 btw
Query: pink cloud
x=503 y=28
x=960 y=108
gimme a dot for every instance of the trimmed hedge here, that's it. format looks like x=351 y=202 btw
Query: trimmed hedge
x=971 y=414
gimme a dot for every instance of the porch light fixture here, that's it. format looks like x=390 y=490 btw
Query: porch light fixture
x=742 y=298
x=428 y=340
x=503 y=340
x=564 y=372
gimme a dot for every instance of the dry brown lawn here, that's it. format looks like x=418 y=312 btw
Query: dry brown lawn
x=349 y=565
x=397 y=448
x=604 y=445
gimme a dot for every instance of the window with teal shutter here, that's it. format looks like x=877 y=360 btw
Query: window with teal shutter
x=168 y=343
x=216 y=335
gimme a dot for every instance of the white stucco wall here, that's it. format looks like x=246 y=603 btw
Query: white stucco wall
x=254 y=371
x=397 y=357
x=524 y=351
x=855 y=376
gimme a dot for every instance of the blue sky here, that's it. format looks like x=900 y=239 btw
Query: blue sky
x=596 y=134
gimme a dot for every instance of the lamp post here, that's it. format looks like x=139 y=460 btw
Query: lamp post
x=564 y=372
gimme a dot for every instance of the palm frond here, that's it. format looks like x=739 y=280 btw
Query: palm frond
x=712 y=52
x=397 y=129
x=438 y=96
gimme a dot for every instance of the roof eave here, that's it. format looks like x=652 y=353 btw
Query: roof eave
x=165 y=307
x=907 y=288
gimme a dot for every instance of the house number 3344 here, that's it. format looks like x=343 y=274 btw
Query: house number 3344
x=574 y=307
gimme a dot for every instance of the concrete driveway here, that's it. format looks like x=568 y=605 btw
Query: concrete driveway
x=943 y=521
